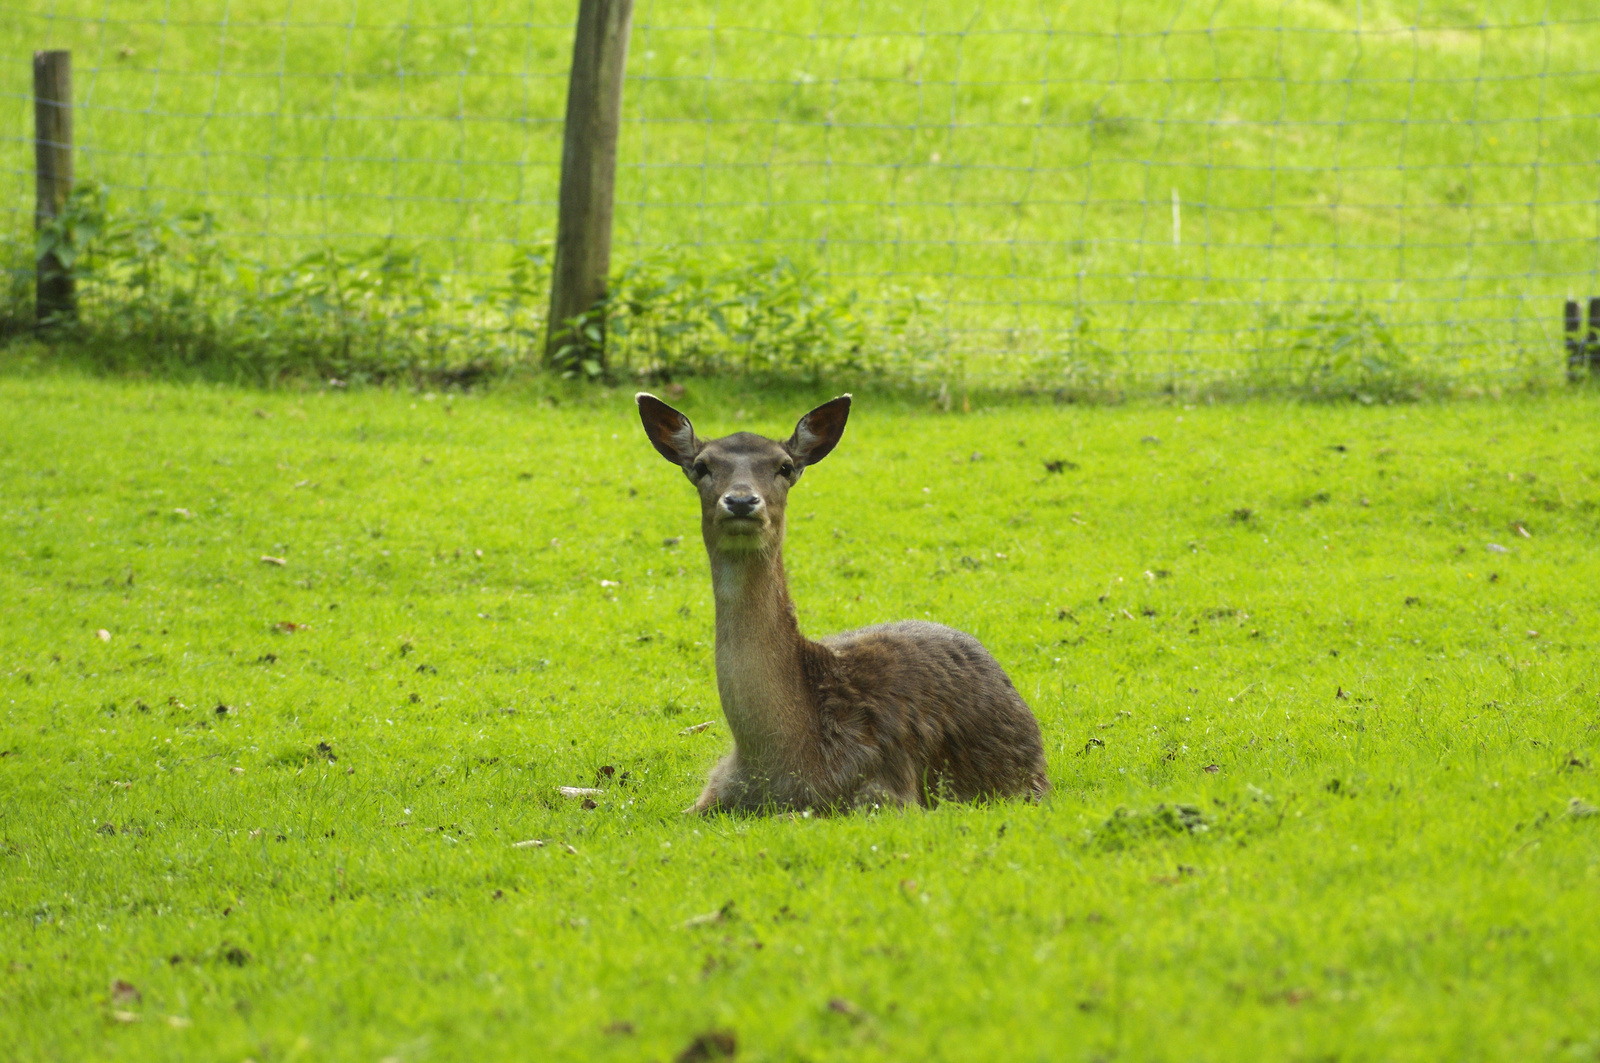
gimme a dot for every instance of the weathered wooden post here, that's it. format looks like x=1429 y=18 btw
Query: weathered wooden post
x=1573 y=327
x=1591 y=342
x=54 y=293
x=588 y=174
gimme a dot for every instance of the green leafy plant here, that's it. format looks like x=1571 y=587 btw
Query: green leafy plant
x=1349 y=349
x=163 y=291
x=667 y=317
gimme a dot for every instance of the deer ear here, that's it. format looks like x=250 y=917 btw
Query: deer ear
x=818 y=431
x=669 y=430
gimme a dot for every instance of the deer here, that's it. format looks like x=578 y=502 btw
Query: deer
x=893 y=715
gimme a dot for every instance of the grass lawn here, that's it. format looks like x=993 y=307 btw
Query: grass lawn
x=1324 y=758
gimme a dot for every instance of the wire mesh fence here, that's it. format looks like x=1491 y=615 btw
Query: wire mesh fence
x=1060 y=196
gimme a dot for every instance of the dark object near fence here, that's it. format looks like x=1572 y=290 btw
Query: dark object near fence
x=1583 y=349
x=54 y=292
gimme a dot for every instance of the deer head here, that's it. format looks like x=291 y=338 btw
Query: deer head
x=743 y=479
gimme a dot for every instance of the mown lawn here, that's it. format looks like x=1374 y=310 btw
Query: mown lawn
x=1318 y=685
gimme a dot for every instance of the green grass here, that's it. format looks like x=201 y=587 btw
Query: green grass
x=995 y=182
x=1286 y=617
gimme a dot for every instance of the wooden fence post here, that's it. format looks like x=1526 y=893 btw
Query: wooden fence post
x=1591 y=342
x=588 y=176
x=1572 y=325
x=54 y=292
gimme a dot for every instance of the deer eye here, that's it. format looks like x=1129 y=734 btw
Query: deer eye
x=701 y=470
x=786 y=470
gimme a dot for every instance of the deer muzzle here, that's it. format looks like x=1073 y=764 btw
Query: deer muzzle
x=741 y=506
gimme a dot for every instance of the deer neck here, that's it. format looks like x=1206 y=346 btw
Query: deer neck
x=759 y=647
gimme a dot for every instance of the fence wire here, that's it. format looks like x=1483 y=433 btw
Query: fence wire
x=1156 y=192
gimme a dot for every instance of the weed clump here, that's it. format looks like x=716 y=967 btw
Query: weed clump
x=1127 y=827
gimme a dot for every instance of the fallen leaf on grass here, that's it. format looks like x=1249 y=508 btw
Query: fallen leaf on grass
x=125 y=1016
x=125 y=993
x=619 y=1027
x=1212 y=769
x=710 y=918
x=1578 y=808
x=1495 y=548
x=270 y=560
x=177 y=1022
x=103 y=635
x=568 y=847
x=531 y=843
x=577 y=791
x=186 y=514
x=841 y=1006
x=696 y=728
x=711 y=1045
x=1521 y=529
x=588 y=803
x=288 y=626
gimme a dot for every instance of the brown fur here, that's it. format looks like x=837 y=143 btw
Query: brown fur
x=896 y=714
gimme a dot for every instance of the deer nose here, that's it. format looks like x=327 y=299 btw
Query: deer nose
x=740 y=505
